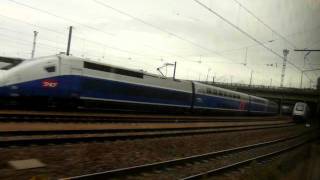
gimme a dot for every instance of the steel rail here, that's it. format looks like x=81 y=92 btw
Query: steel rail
x=128 y=130
x=122 y=120
x=223 y=169
x=21 y=116
x=175 y=162
x=110 y=137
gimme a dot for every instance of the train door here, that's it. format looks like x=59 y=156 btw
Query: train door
x=250 y=104
x=76 y=74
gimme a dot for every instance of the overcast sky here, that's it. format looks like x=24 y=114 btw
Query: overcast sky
x=145 y=34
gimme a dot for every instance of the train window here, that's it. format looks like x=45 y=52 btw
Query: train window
x=135 y=91
x=99 y=67
x=8 y=63
x=201 y=91
x=50 y=69
x=214 y=91
x=299 y=107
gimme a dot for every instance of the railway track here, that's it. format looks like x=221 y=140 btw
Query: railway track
x=49 y=116
x=26 y=138
x=204 y=165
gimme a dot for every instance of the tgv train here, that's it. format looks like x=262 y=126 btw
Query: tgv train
x=300 y=112
x=63 y=80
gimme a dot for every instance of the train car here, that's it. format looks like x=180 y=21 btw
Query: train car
x=67 y=81
x=300 y=112
x=262 y=106
x=214 y=99
x=273 y=108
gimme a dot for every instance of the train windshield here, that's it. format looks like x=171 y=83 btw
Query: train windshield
x=299 y=107
x=8 y=63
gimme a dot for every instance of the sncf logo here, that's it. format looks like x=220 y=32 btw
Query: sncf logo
x=242 y=105
x=49 y=83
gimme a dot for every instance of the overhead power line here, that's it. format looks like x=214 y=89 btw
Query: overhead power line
x=119 y=11
x=262 y=22
x=307 y=50
x=153 y=26
x=11 y=30
x=96 y=29
x=245 y=33
x=266 y=25
x=27 y=43
x=60 y=17
x=79 y=37
x=161 y=29
x=30 y=24
x=268 y=41
x=158 y=28
x=64 y=34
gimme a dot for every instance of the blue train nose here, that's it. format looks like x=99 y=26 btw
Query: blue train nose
x=4 y=90
x=1 y=86
x=1 y=91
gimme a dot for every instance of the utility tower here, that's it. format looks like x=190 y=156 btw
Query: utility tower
x=285 y=55
x=35 y=33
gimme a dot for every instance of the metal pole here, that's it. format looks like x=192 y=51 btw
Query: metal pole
x=285 y=54
x=35 y=33
x=69 y=40
x=307 y=70
x=174 y=70
x=251 y=77
x=245 y=59
x=280 y=106
x=166 y=71
x=208 y=74
x=301 y=79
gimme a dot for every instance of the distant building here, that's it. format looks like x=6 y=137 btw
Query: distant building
x=318 y=84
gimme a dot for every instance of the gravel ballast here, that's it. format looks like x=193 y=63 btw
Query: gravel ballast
x=82 y=158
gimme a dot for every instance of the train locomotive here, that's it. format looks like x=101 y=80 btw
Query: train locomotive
x=300 y=112
x=63 y=80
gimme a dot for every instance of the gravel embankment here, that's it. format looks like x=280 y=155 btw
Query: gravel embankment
x=81 y=158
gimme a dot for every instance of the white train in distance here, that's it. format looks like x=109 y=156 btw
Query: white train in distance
x=301 y=112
